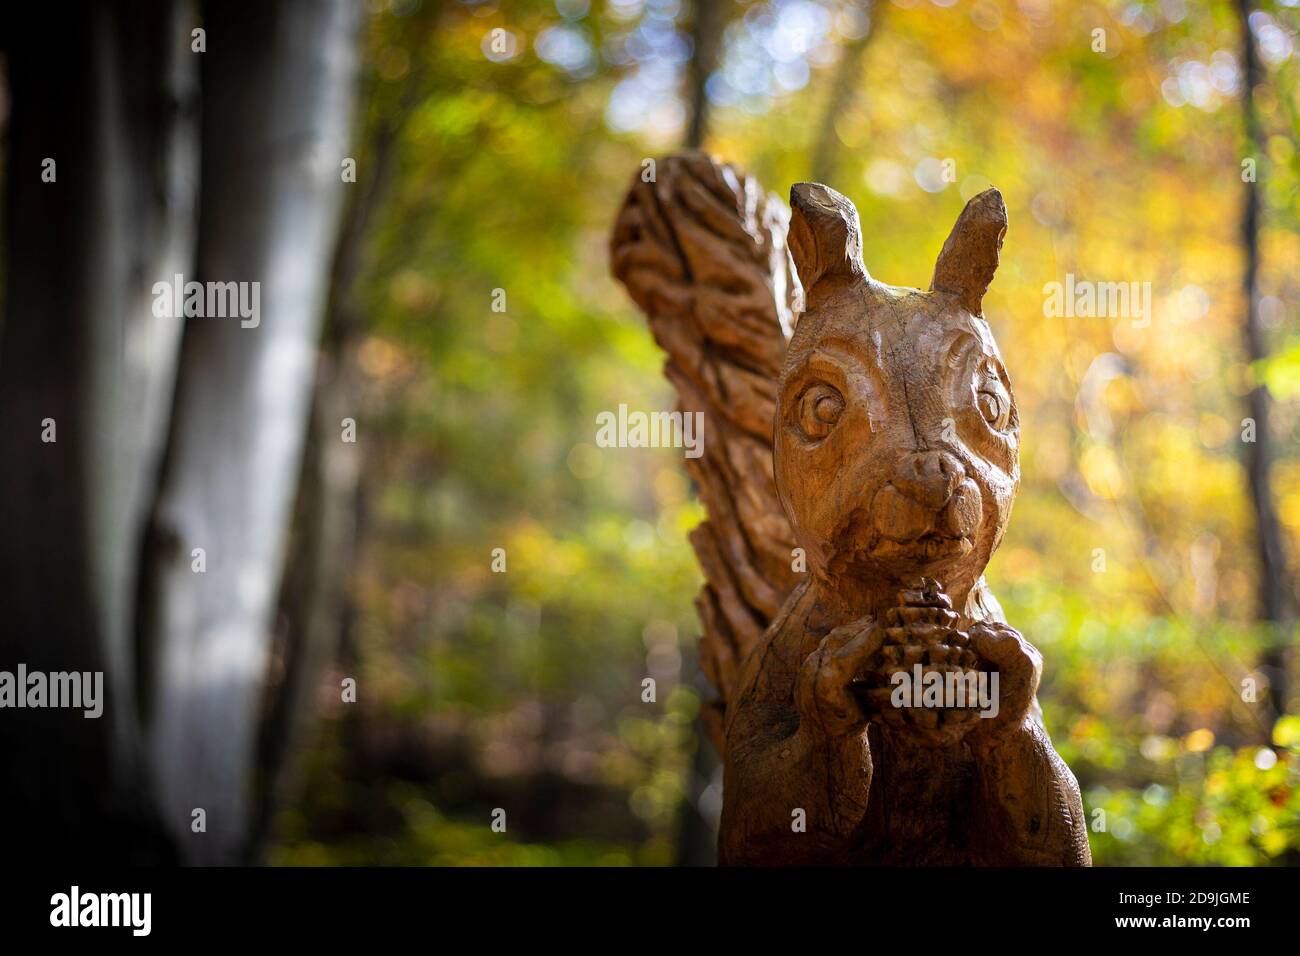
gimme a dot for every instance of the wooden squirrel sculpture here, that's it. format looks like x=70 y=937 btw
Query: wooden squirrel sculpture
x=884 y=712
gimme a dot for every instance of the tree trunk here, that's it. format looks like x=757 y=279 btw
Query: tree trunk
x=1274 y=585
x=316 y=599
x=278 y=90
x=108 y=97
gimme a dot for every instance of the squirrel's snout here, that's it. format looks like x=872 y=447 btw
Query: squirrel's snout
x=929 y=478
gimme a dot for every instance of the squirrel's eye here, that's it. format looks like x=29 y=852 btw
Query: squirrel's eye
x=819 y=409
x=993 y=409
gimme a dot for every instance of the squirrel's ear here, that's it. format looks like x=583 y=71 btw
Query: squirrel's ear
x=970 y=256
x=825 y=237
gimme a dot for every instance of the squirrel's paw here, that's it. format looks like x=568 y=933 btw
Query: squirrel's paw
x=823 y=694
x=1019 y=665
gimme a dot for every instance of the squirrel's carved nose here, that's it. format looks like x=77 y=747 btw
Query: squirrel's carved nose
x=929 y=478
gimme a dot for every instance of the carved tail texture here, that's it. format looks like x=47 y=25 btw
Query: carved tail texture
x=702 y=251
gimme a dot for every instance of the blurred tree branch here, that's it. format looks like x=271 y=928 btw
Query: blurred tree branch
x=706 y=34
x=844 y=87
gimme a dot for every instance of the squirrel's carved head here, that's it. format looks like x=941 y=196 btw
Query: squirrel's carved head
x=896 y=435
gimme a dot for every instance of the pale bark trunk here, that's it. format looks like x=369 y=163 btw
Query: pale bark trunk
x=278 y=90
x=316 y=598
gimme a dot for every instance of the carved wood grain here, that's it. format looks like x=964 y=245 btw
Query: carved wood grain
x=701 y=250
